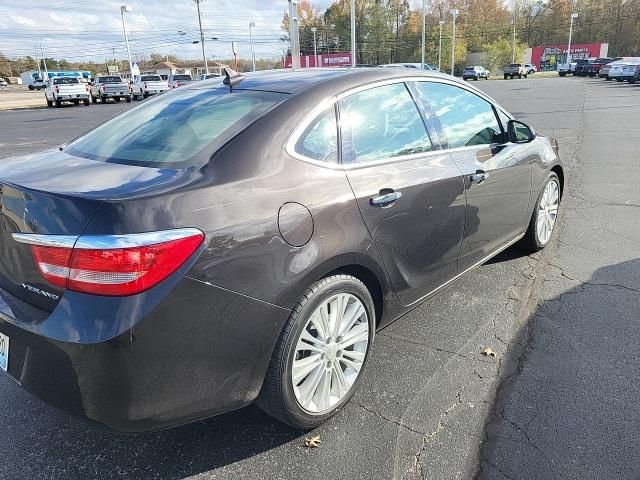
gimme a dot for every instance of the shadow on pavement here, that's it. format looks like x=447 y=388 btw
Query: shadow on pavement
x=566 y=406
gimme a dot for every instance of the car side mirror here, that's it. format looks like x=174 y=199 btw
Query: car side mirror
x=519 y=132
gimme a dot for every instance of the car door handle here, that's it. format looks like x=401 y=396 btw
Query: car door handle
x=479 y=177
x=387 y=197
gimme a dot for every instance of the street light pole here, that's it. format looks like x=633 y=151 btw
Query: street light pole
x=513 y=47
x=573 y=15
x=123 y=9
x=294 y=37
x=204 y=56
x=253 y=53
x=441 y=23
x=353 y=33
x=315 y=48
x=424 y=28
x=454 y=12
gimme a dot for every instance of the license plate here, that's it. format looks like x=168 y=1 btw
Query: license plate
x=4 y=352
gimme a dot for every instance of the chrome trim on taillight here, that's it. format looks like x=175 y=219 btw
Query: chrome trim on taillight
x=106 y=242
x=61 y=241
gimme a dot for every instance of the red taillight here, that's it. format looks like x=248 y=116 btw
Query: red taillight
x=102 y=87
x=145 y=84
x=114 y=271
x=57 y=89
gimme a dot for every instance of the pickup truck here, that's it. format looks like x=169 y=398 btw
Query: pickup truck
x=65 y=89
x=146 y=85
x=110 y=86
x=515 y=70
x=179 y=80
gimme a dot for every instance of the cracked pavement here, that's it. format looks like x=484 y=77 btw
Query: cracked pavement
x=558 y=401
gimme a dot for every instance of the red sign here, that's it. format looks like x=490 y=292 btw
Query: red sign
x=324 y=60
x=549 y=56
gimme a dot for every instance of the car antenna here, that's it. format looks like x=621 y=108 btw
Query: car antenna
x=232 y=78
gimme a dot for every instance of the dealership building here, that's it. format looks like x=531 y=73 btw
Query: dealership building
x=548 y=57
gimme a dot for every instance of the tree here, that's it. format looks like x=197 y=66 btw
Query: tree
x=499 y=54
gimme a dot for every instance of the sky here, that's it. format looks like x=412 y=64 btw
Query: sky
x=83 y=30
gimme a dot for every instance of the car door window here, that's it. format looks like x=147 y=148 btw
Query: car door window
x=381 y=123
x=319 y=141
x=466 y=118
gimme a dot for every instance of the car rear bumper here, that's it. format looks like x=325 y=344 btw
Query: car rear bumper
x=72 y=97
x=115 y=95
x=201 y=351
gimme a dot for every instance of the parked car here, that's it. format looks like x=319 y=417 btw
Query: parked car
x=565 y=69
x=515 y=70
x=37 y=84
x=475 y=72
x=3 y=82
x=582 y=67
x=531 y=68
x=150 y=278
x=65 y=89
x=105 y=87
x=179 y=80
x=207 y=76
x=592 y=69
x=636 y=75
x=615 y=72
x=147 y=85
x=629 y=70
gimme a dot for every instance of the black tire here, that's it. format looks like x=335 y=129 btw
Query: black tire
x=117 y=99
x=562 y=74
x=530 y=242
x=86 y=102
x=103 y=99
x=277 y=397
x=505 y=76
x=76 y=102
x=30 y=87
x=618 y=79
x=58 y=103
x=128 y=98
x=49 y=102
x=525 y=75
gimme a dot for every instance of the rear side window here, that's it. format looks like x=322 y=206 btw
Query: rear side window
x=110 y=80
x=466 y=118
x=183 y=126
x=182 y=77
x=320 y=139
x=65 y=81
x=380 y=123
x=151 y=78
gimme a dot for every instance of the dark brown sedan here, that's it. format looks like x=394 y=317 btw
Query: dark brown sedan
x=227 y=243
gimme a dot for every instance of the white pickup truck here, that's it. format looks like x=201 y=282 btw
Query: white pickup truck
x=146 y=85
x=65 y=89
x=110 y=86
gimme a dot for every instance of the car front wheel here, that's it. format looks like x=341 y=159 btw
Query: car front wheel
x=319 y=358
x=544 y=217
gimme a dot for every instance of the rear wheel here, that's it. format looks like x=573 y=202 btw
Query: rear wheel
x=57 y=102
x=562 y=74
x=31 y=87
x=544 y=216
x=86 y=102
x=49 y=102
x=319 y=358
x=505 y=76
x=128 y=98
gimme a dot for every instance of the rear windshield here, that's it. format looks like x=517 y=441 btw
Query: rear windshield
x=514 y=65
x=151 y=78
x=111 y=80
x=182 y=77
x=65 y=81
x=469 y=68
x=176 y=129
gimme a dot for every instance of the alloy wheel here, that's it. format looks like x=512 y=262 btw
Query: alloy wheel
x=548 y=211
x=330 y=353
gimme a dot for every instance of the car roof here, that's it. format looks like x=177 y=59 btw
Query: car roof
x=332 y=80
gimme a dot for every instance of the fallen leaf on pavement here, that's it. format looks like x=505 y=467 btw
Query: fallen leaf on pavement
x=312 y=442
x=487 y=352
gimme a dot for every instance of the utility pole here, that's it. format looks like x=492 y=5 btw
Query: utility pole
x=123 y=9
x=513 y=48
x=35 y=50
x=204 y=56
x=353 y=33
x=441 y=23
x=44 y=61
x=454 y=12
x=424 y=28
x=294 y=38
x=253 y=52
x=315 y=48
x=573 y=15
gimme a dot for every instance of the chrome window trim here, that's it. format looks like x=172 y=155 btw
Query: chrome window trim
x=106 y=242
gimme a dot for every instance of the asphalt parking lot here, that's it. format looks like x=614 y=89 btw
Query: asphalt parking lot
x=558 y=401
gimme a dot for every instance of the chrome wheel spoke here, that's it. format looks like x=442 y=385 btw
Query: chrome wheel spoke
x=330 y=353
